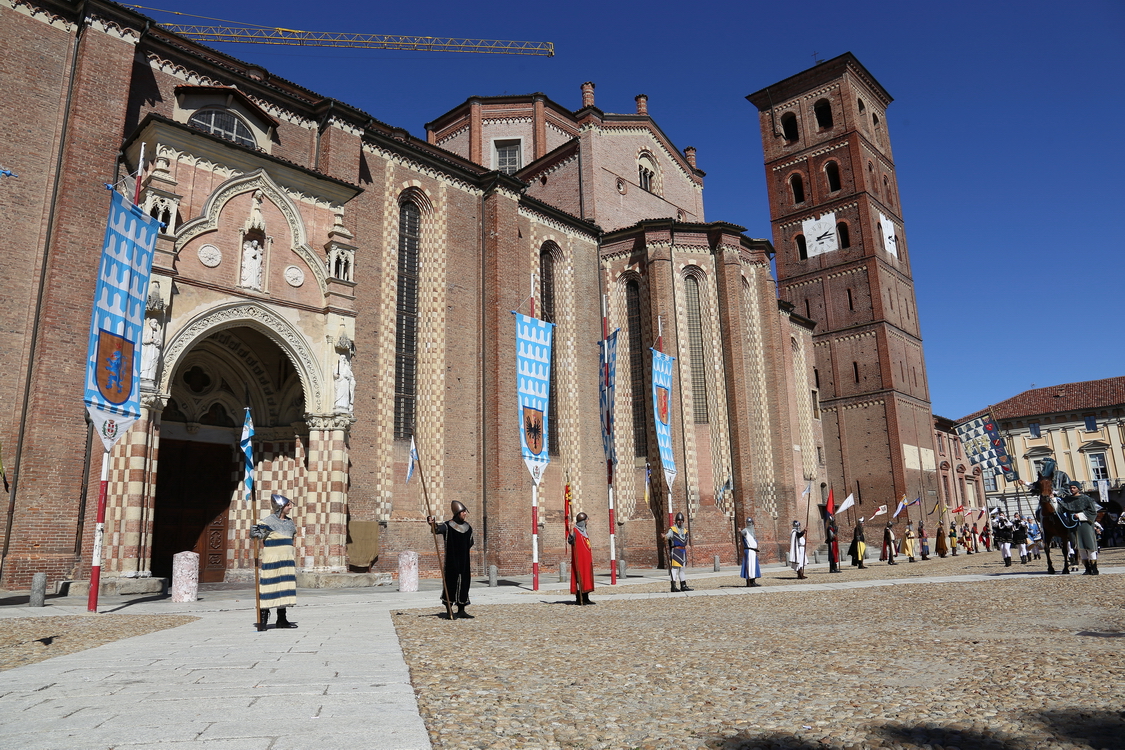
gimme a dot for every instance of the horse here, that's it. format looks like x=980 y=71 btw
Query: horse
x=1053 y=525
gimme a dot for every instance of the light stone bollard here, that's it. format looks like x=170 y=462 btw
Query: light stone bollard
x=621 y=568
x=38 y=590
x=185 y=576
x=408 y=571
x=492 y=572
x=716 y=563
x=564 y=573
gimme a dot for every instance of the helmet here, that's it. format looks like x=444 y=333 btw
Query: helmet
x=580 y=518
x=796 y=524
x=749 y=521
x=457 y=507
x=279 y=501
x=679 y=518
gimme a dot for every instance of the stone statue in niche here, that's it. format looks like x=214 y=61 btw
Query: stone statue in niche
x=345 y=385
x=256 y=220
x=151 y=346
x=251 y=276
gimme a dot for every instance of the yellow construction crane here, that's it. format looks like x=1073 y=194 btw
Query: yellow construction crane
x=251 y=34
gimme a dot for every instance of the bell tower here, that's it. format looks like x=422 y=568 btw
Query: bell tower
x=843 y=261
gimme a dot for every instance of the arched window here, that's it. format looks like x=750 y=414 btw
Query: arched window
x=823 y=111
x=224 y=124
x=802 y=248
x=406 y=319
x=695 y=349
x=646 y=173
x=797 y=185
x=878 y=135
x=842 y=233
x=887 y=191
x=637 y=368
x=547 y=288
x=851 y=302
x=789 y=127
x=855 y=370
x=862 y=107
x=832 y=172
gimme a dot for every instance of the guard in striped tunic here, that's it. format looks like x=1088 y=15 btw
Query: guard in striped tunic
x=278 y=583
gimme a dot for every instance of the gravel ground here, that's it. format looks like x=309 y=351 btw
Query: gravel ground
x=26 y=640
x=1006 y=664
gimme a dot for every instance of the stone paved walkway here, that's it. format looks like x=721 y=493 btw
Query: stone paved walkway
x=864 y=663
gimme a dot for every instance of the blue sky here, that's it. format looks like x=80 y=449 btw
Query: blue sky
x=1005 y=128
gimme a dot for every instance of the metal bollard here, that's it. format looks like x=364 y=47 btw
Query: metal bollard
x=38 y=590
x=716 y=563
x=492 y=577
x=564 y=572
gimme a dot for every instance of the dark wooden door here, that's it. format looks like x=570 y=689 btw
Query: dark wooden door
x=194 y=487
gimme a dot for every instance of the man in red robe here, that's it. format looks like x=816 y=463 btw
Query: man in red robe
x=581 y=561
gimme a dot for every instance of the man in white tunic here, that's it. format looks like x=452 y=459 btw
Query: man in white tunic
x=751 y=570
x=797 y=557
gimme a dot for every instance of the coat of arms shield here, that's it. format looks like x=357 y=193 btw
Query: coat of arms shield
x=533 y=429
x=662 y=403
x=114 y=372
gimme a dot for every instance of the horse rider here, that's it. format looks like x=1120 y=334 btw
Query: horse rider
x=1084 y=510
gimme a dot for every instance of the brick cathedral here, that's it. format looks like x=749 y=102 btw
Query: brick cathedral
x=355 y=285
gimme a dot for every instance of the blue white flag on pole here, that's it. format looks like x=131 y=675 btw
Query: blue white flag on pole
x=607 y=372
x=662 y=407
x=247 y=443
x=533 y=377
x=113 y=361
x=413 y=459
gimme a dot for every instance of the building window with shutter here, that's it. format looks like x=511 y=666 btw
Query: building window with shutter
x=508 y=157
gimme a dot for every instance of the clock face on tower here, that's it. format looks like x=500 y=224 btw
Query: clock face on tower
x=820 y=234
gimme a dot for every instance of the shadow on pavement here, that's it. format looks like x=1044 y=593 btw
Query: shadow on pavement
x=765 y=741
x=916 y=737
x=15 y=600
x=143 y=600
x=1094 y=728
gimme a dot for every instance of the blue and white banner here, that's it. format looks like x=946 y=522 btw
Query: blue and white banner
x=985 y=446
x=662 y=407
x=113 y=361
x=533 y=376
x=607 y=377
x=247 y=444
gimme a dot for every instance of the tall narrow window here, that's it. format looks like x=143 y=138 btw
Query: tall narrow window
x=695 y=348
x=637 y=359
x=832 y=172
x=808 y=310
x=815 y=404
x=802 y=248
x=797 y=185
x=547 y=283
x=845 y=237
x=851 y=304
x=816 y=377
x=823 y=111
x=1091 y=424
x=1033 y=428
x=789 y=127
x=855 y=371
x=406 y=320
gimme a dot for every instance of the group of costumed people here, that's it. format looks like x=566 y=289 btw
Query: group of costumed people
x=1078 y=512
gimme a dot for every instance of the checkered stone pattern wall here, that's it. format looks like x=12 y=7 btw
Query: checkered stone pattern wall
x=130 y=492
x=322 y=528
x=627 y=490
x=689 y=471
x=765 y=488
x=279 y=466
x=804 y=412
x=717 y=395
x=383 y=410
x=432 y=326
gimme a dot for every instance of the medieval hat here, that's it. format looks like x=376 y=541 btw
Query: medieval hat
x=1074 y=483
x=679 y=518
x=279 y=501
x=457 y=507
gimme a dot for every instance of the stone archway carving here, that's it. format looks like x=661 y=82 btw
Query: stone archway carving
x=251 y=315
x=259 y=179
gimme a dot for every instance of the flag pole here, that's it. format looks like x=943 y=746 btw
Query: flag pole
x=535 y=484
x=609 y=461
x=433 y=529
x=99 y=531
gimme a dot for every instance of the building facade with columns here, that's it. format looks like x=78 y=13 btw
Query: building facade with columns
x=353 y=285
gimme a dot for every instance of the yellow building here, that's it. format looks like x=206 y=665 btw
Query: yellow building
x=1080 y=425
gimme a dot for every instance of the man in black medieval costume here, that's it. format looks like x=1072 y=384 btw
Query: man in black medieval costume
x=458 y=541
x=858 y=548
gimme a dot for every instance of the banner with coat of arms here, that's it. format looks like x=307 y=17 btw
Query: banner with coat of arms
x=662 y=408
x=113 y=366
x=985 y=447
x=533 y=377
x=607 y=378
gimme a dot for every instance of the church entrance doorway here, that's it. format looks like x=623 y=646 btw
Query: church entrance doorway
x=193 y=495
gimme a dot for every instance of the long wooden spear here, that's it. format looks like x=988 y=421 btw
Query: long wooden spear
x=433 y=533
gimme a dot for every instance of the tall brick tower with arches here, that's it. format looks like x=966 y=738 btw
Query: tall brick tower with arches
x=842 y=261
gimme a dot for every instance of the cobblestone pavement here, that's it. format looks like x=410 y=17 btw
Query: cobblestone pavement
x=27 y=640
x=1010 y=663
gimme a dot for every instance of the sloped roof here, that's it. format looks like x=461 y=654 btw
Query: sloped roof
x=1090 y=394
